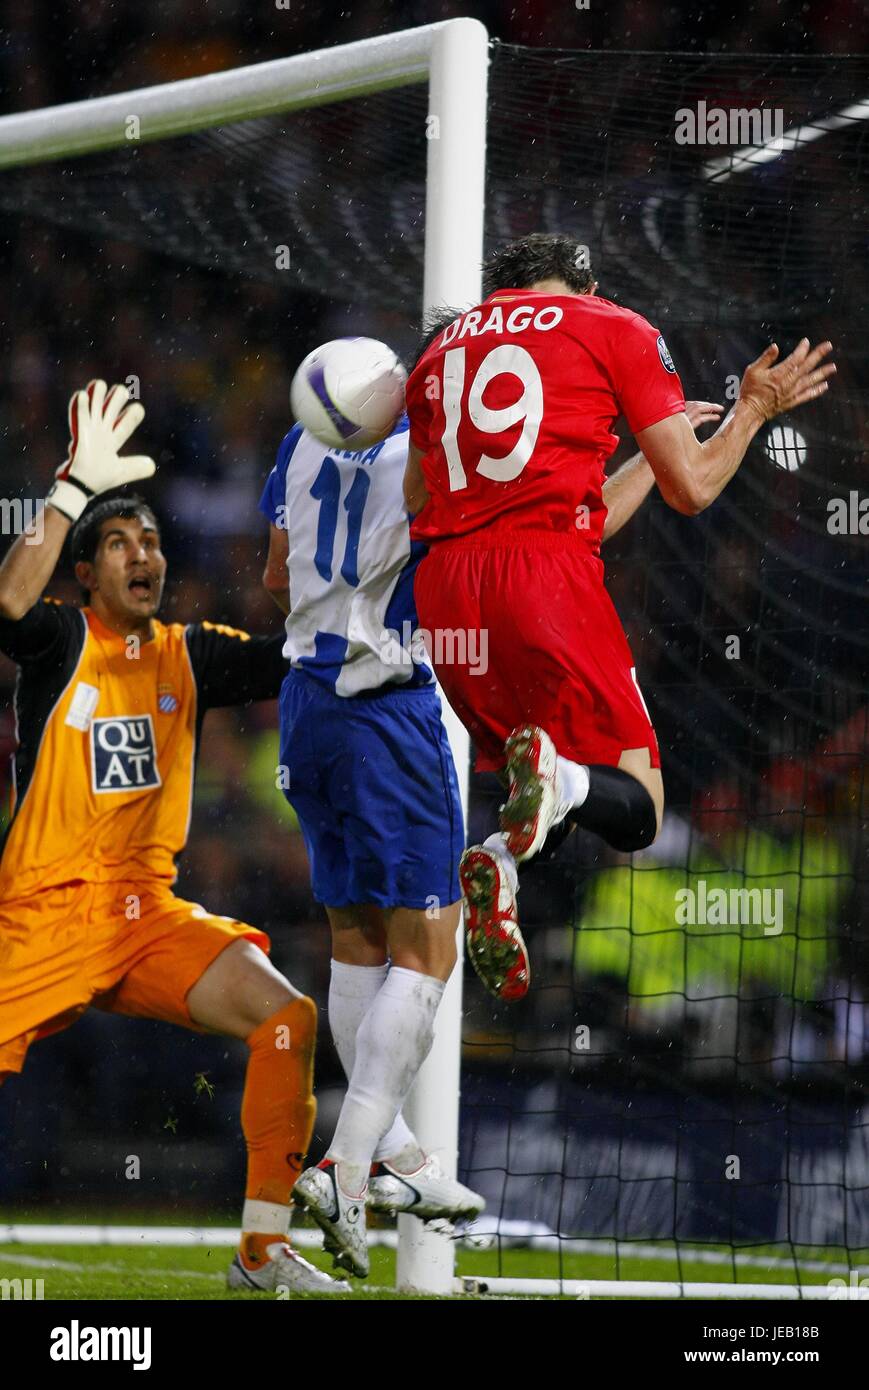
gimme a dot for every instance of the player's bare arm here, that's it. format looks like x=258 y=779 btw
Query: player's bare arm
x=415 y=490
x=691 y=475
x=275 y=576
x=27 y=568
x=623 y=493
x=631 y=484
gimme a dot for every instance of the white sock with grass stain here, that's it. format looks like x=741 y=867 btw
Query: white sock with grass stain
x=352 y=991
x=392 y=1042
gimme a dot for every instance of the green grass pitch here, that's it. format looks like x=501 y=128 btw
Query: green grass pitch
x=149 y=1272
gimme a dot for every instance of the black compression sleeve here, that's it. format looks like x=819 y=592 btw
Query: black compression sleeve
x=618 y=808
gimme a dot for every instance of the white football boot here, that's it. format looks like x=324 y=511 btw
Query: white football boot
x=340 y=1218
x=425 y=1193
x=284 y=1269
x=532 y=806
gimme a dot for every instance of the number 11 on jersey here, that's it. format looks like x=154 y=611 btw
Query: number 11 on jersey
x=326 y=489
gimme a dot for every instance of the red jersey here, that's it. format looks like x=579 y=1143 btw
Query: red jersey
x=512 y=407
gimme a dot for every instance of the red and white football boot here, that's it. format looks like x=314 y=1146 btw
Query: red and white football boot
x=532 y=804
x=495 y=943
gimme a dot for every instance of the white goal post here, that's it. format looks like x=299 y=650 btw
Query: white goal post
x=453 y=57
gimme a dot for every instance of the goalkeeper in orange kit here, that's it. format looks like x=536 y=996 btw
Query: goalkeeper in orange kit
x=109 y=705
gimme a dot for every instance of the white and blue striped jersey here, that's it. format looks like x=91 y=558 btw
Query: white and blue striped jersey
x=351 y=562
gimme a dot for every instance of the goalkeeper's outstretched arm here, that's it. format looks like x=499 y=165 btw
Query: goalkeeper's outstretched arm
x=27 y=568
x=100 y=423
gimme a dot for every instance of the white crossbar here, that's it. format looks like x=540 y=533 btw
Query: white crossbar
x=262 y=89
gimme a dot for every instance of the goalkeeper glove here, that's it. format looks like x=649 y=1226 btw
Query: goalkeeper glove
x=99 y=425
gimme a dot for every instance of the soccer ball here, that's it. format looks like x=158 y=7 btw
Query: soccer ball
x=349 y=392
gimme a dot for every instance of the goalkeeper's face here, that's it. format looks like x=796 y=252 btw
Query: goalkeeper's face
x=129 y=568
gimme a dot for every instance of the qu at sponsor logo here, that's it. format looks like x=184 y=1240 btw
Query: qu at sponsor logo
x=124 y=754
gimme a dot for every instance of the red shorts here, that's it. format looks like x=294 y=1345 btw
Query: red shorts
x=521 y=630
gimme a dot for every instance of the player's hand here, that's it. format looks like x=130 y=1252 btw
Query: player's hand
x=772 y=389
x=100 y=423
x=703 y=413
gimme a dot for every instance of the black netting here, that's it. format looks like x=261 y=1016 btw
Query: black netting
x=583 y=141
x=610 y=1106
x=341 y=187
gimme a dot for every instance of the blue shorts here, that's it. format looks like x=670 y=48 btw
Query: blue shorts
x=373 y=783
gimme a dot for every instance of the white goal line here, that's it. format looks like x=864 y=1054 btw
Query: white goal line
x=639 y=1288
x=169 y=1237
x=32 y=1233
x=60 y=1233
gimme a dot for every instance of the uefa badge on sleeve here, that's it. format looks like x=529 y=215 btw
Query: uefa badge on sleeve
x=664 y=354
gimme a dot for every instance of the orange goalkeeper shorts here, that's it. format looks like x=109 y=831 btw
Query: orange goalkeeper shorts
x=102 y=944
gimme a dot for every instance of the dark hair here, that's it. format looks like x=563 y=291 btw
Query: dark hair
x=519 y=265
x=85 y=535
x=434 y=322
x=541 y=256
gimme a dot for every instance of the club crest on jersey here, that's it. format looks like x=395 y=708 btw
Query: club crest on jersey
x=166 y=701
x=664 y=354
x=124 y=754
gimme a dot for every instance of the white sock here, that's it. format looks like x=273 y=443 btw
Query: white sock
x=352 y=991
x=571 y=785
x=264 y=1218
x=393 y=1041
x=497 y=844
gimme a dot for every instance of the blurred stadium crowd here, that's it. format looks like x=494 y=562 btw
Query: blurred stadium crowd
x=211 y=358
x=66 y=49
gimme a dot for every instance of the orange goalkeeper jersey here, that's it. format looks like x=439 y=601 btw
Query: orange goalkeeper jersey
x=107 y=733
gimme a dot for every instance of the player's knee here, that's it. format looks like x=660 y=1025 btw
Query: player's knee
x=358 y=935
x=293 y=1024
x=435 y=958
x=424 y=942
x=304 y=1010
x=446 y=958
x=300 y=1015
x=244 y=990
x=260 y=1000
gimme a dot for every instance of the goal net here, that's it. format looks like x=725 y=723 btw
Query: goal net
x=680 y=1100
